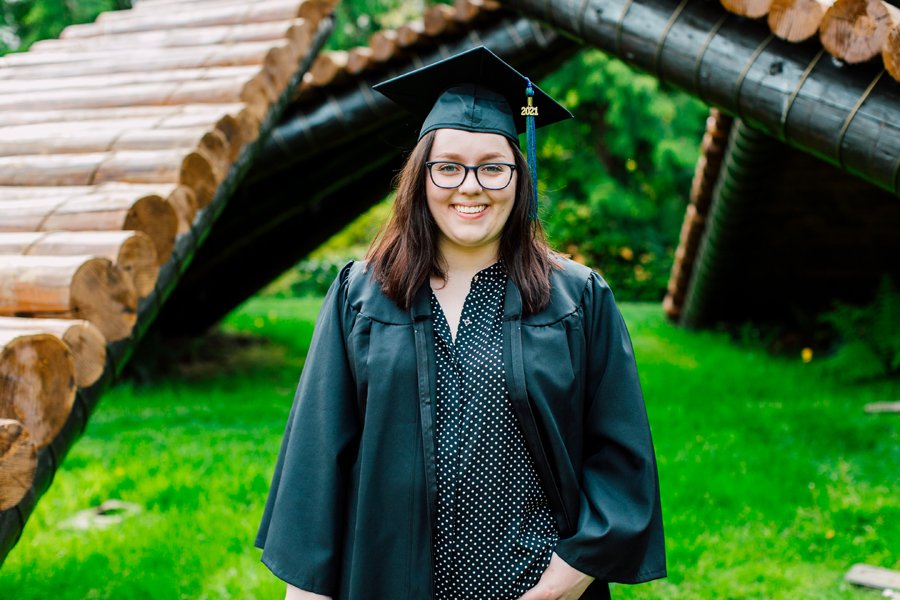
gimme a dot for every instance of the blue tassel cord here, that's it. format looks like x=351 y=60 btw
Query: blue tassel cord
x=531 y=143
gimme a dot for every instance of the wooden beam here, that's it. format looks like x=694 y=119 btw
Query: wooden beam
x=739 y=67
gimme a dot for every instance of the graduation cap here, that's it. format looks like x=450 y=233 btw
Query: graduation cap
x=477 y=91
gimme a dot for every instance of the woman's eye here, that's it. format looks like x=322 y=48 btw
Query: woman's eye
x=492 y=169
x=448 y=168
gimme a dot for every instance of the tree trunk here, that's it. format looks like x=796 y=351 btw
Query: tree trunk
x=196 y=171
x=84 y=340
x=95 y=212
x=37 y=383
x=112 y=199
x=171 y=38
x=18 y=461
x=186 y=115
x=201 y=15
x=255 y=93
x=84 y=287
x=106 y=81
x=49 y=139
x=131 y=251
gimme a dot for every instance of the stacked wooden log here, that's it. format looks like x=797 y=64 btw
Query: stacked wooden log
x=852 y=30
x=706 y=173
x=435 y=25
x=112 y=139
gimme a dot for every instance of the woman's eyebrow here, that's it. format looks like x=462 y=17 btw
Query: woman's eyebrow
x=483 y=158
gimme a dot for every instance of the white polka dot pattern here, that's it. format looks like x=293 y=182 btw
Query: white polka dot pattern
x=495 y=530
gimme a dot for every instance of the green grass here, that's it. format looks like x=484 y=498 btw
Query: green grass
x=774 y=480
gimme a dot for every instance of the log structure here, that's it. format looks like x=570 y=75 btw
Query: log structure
x=120 y=144
x=219 y=136
x=742 y=68
x=773 y=234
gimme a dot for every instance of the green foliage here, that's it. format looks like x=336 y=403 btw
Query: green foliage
x=615 y=180
x=23 y=22
x=356 y=20
x=870 y=335
x=773 y=478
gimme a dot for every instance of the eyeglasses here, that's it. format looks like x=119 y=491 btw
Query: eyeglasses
x=490 y=176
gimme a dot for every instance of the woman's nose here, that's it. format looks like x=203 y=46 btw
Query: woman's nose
x=470 y=184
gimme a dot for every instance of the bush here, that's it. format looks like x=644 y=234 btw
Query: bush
x=616 y=179
x=313 y=276
x=870 y=335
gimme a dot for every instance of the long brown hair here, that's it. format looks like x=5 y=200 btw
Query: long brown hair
x=404 y=254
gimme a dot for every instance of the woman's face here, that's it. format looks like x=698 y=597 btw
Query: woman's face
x=469 y=216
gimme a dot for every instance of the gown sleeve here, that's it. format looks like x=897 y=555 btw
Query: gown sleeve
x=618 y=534
x=303 y=521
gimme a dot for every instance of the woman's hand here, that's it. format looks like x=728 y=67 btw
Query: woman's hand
x=559 y=582
x=294 y=593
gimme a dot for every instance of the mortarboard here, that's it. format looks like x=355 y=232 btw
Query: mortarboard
x=477 y=91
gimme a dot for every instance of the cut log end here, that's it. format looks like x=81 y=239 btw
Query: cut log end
x=105 y=296
x=198 y=174
x=37 y=384
x=156 y=218
x=18 y=462
x=855 y=30
x=748 y=8
x=184 y=203
x=88 y=348
x=795 y=20
x=383 y=45
x=84 y=340
x=891 y=52
x=137 y=258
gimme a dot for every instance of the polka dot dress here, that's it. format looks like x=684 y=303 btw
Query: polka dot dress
x=495 y=530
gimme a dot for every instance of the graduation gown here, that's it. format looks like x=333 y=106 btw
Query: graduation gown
x=351 y=509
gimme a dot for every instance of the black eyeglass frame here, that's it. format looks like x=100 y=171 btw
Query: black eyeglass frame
x=473 y=168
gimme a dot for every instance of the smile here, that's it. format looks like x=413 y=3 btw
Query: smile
x=470 y=210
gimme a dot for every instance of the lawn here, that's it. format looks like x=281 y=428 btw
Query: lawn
x=774 y=480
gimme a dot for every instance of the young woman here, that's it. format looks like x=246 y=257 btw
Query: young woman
x=469 y=422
